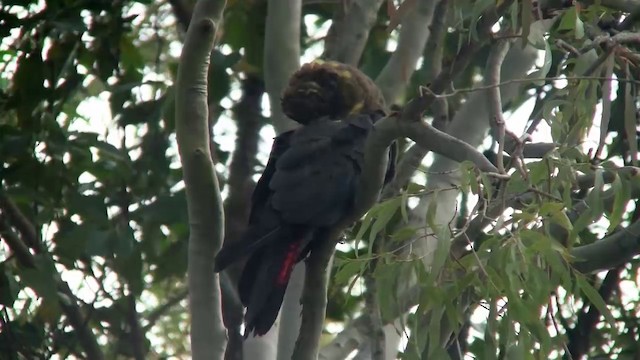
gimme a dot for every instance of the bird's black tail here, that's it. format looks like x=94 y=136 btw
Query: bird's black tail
x=265 y=278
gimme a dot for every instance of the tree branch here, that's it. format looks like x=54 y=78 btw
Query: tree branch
x=281 y=60
x=413 y=157
x=349 y=30
x=609 y=252
x=160 y=311
x=136 y=336
x=21 y=222
x=492 y=78
x=414 y=32
x=19 y=249
x=579 y=337
x=488 y=18
x=206 y=217
x=281 y=54
x=249 y=121
x=314 y=297
x=78 y=321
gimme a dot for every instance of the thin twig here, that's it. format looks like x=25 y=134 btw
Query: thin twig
x=492 y=78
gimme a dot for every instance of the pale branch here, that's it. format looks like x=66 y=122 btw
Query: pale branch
x=204 y=203
x=412 y=158
x=239 y=185
x=492 y=78
x=249 y=121
x=434 y=51
x=409 y=163
x=608 y=176
x=414 y=32
x=348 y=340
x=262 y=347
x=392 y=335
x=232 y=315
x=349 y=30
x=281 y=60
x=423 y=134
x=161 y=310
x=488 y=18
x=353 y=335
x=444 y=144
x=289 y=322
x=281 y=55
x=627 y=6
x=537 y=150
x=314 y=296
x=609 y=252
x=376 y=336
x=527 y=151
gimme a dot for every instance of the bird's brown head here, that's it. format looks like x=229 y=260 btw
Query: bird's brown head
x=329 y=89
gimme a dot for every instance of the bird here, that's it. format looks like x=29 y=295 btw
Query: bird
x=308 y=185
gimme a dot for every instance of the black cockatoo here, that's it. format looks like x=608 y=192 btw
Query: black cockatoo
x=308 y=185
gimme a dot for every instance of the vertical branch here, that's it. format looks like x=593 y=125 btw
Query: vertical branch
x=492 y=79
x=281 y=54
x=414 y=32
x=376 y=331
x=349 y=30
x=249 y=121
x=314 y=298
x=579 y=339
x=137 y=337
x=435 y=49
x=281 y=60
x=206 y=218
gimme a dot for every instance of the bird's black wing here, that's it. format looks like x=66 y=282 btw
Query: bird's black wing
x=261 y=221
x=316 y=178
x=261 y=192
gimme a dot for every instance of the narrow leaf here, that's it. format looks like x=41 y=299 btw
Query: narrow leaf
x=630 y=118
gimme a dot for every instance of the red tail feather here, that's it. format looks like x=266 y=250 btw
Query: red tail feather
x=288 y=263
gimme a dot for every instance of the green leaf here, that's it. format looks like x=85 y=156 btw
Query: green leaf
x=403 y=234
x=347 y=270
x=594 y=199
x=542 y=73
x=621 y=196
x=595 y=299
x=9 y=287
x=130 y=54
x=630 y=120
x=526 y=20
x=385 y=212
x=41 y=278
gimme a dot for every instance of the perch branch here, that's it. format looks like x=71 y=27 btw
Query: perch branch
x=206 y=217
x=281 y=54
